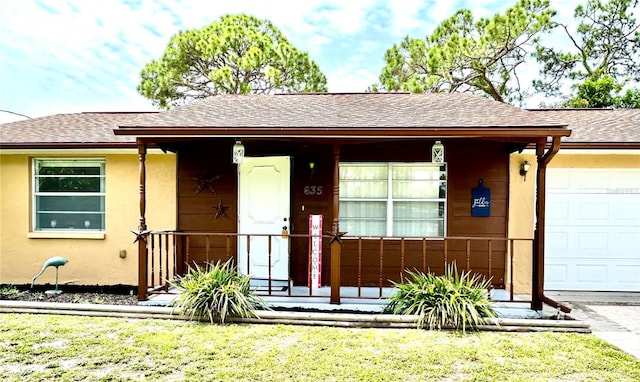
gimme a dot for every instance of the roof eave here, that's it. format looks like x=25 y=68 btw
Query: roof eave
x=345 y=132
x=601 y=145
x=66 y=145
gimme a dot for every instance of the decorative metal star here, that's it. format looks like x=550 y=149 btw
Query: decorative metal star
x=335 y=237
x=205 y=182
x=140 y=235
x=221 y=210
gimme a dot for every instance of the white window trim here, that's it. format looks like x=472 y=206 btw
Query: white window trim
x=389 y=200
x=95 y=235
x=59 y=232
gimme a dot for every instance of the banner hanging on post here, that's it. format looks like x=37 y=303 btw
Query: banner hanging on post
x=315 y=251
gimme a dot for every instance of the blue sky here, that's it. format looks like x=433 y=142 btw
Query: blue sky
x=62 y=56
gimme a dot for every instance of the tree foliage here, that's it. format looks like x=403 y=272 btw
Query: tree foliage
x=463 y=55
x=603 y=58
x=603 y=91
x=238 y=54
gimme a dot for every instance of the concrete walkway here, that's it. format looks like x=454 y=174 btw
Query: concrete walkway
x=612 y=316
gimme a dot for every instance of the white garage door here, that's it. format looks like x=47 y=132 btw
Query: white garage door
x=593 y=230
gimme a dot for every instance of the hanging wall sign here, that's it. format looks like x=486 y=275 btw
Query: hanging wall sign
x=315 y=252
x=480 y=200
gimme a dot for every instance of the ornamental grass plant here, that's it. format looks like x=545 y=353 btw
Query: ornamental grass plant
x=215 y=292
x=455 y=300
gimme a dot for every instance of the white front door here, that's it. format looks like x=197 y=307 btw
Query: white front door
x=264 y=208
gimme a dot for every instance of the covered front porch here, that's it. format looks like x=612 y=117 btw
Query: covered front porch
x=370 y=297
x=308 y=153
x=167 y=254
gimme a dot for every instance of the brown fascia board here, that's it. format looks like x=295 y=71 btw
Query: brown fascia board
x=358 y=132
x=596 y=145
x=601 y=145
x=66 y=145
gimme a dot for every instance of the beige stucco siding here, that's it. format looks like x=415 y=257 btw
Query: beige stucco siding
x=93 y=259
x=568 y=160
x=521 y=221
x=522 y=198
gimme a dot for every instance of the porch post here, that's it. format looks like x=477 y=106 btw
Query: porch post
x=142 y=226
x=537 y=278
x=336 y=246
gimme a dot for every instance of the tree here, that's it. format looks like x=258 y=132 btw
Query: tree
x=601 y=92
x=238 y=54
x=630 y=99
x=604 y=55
x=463 y=55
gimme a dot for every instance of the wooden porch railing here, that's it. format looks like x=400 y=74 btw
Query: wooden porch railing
x=367 y=264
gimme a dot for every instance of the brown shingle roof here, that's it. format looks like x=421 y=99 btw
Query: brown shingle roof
x=363 y=110
x=67 y=130
x=364 y=115
x=598 y=126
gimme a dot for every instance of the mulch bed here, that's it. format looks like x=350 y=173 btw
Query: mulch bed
x=76 y=295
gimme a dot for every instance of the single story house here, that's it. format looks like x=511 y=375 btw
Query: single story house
x=399 y=181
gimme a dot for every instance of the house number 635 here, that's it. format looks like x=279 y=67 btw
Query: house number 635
x=313 y=190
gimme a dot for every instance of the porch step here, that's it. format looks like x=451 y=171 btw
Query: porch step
x=160 y=299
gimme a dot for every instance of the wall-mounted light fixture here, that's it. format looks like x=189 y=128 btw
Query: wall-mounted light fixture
x=238 y=152
x=312 y=168
x=524 y=169
x=437 y=152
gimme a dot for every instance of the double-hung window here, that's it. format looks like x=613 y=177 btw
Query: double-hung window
x=68 y=194
x=393 y=199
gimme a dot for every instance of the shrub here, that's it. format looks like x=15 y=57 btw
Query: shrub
x=452 y=300
x=216 y=291
x=9 y=290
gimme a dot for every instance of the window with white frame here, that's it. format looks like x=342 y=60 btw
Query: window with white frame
x=393 y=199
x=68 y=194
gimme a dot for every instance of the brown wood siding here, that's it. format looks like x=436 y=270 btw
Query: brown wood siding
x=468 y=160
x=467 y=163
x=306 y=204
x=197 y=212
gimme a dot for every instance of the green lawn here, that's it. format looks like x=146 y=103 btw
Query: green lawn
x=46 y=348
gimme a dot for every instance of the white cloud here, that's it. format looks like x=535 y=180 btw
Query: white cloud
x=405 y=16
x=61 y=56
x=346 y=80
